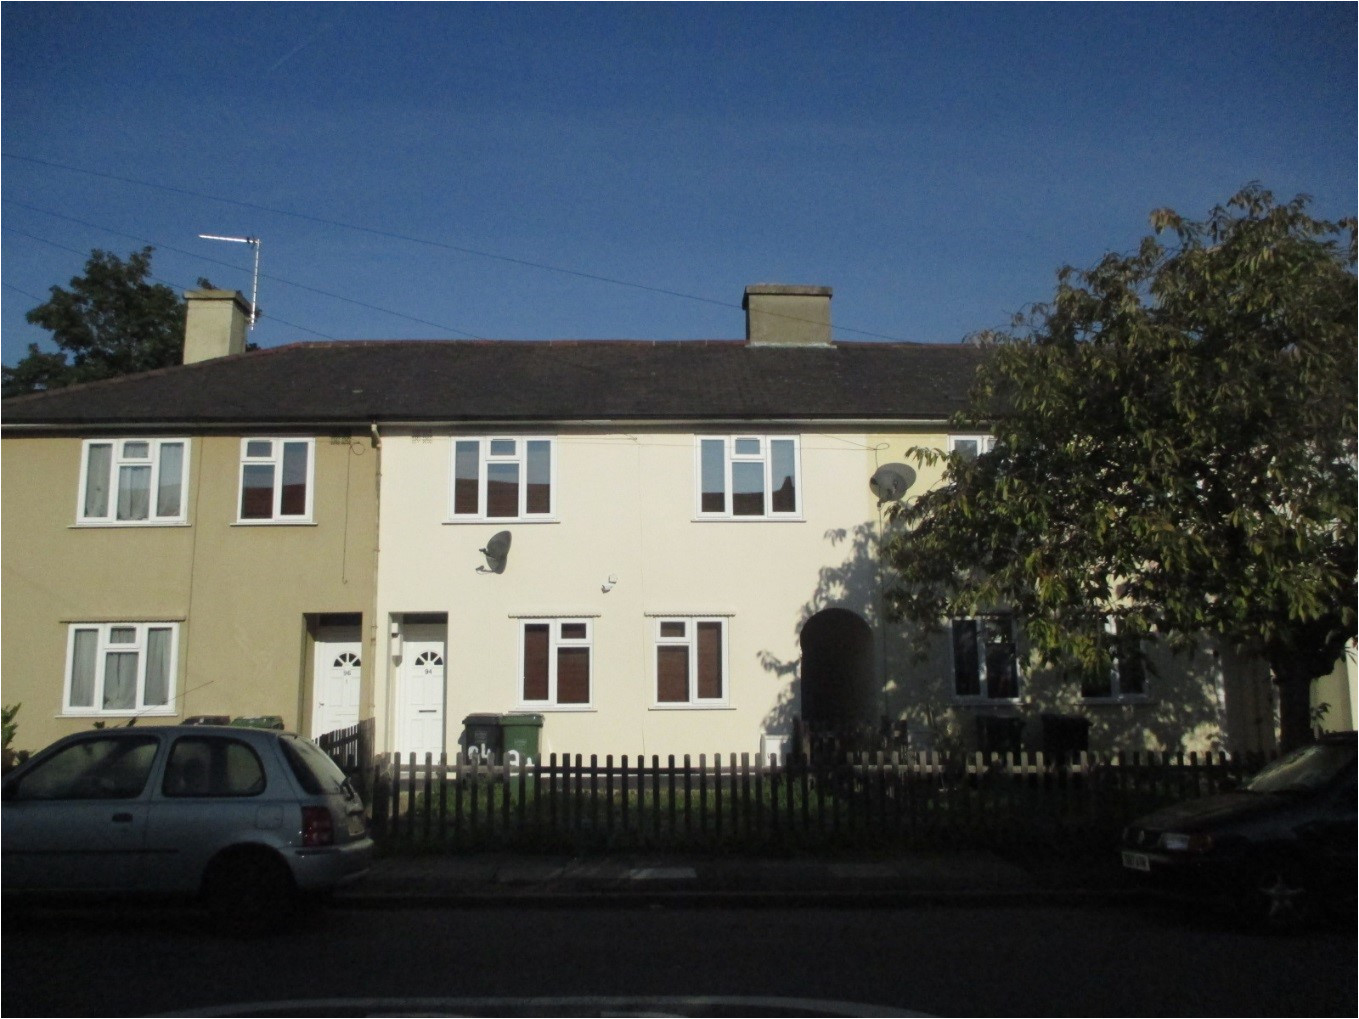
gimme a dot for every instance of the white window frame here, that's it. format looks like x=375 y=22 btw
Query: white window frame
x=982 y=697
x=275 y=459
x=730 y=458
x=103 y=647
x=486 y=458
x=985 y=442
x=690 y=640
x=1116 y=694
x=118 y=458
x=556 y=642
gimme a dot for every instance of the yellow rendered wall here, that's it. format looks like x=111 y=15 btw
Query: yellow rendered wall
x=240 y=593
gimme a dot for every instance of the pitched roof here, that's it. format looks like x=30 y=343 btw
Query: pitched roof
x=449 y=381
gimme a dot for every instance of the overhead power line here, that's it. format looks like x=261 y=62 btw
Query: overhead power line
x=231 y=265
x=159 y=279
x=410 y=239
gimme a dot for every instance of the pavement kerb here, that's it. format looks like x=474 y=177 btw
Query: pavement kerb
x=690 y=898
x=513 y=880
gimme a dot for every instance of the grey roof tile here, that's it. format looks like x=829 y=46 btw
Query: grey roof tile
x=451 y=381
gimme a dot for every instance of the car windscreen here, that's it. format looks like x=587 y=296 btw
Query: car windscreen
x=311 y=765
x=1304 y=770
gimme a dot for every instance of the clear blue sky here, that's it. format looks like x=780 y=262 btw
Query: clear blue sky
x=935 y=164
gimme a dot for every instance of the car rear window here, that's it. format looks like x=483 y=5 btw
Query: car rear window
x=313 y=768
x=1305 y=770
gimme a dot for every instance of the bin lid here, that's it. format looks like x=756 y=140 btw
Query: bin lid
x=482 y=719
x=526 y=718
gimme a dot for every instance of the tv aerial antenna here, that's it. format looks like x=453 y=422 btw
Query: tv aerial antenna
x=254 y=242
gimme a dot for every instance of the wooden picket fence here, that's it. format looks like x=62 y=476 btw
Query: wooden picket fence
x=734 y=802
x=352 y=749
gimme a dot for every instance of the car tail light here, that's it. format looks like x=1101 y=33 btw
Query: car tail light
x=318 y=829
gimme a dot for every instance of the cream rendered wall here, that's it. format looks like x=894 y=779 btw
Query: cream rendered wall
x=239 y=593
x=1208 y=700
x=626 y=505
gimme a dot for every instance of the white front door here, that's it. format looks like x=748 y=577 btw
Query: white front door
x=336 y=681
x=421 y=700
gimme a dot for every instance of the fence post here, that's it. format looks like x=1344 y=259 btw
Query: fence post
x=717 y=797
x=443 y=797
x=623 y=821
x=379 y=799
x=703 y=796
x=688 y=807
x=594 y=796
x=656 y=797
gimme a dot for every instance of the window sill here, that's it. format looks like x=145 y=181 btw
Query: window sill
x=692 y=706
x=1106 y=702
x=273 y=523
x=129 y=713
x=483 y=521
x=568 y=709
x=989 y=702
x=791 y=518
x=86 y=525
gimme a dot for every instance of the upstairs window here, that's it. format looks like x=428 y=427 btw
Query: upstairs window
x=276 y=480
x=555 y=663
x=133 y=481
x=748 y=476
x=121 y=669
x=971 y=446
x=503 y=478
x=691 y=657
x=1126 y=676
x=985 y=659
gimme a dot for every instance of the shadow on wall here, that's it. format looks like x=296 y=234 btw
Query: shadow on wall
x=835 y=681
x=856 y=668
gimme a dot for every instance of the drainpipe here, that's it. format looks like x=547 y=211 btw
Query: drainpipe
x=380 y=738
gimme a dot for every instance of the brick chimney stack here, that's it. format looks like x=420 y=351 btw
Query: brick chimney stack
x=782 y=315
x=215 y=324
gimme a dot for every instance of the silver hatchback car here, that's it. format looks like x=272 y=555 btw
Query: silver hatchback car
x=250 y=820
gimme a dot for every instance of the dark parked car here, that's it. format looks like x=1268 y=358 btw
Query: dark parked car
x=250 y=820
x=1281 y=848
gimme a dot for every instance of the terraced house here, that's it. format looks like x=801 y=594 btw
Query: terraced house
x=660 y=547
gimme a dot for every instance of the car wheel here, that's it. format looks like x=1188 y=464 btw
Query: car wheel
x=1275 y=900
x=249 y=891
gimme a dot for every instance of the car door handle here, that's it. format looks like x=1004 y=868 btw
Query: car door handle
x=122 y=818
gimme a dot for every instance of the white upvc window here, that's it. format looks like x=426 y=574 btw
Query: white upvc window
x=503 y=477
x=121 y=669
x=985 y=658
x=1126 y=677
x=554 y=663
x=753 y=477
x=690 y=662
x=276 y=480
x=133 y=481
x=971 y=446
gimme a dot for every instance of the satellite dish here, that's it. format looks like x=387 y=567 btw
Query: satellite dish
x=890 y=481
x=497 y=550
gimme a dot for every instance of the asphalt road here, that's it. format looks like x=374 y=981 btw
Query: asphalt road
x=1130 y=959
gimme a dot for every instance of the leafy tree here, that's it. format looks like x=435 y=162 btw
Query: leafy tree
x=1175 y=450
x=111 y=321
